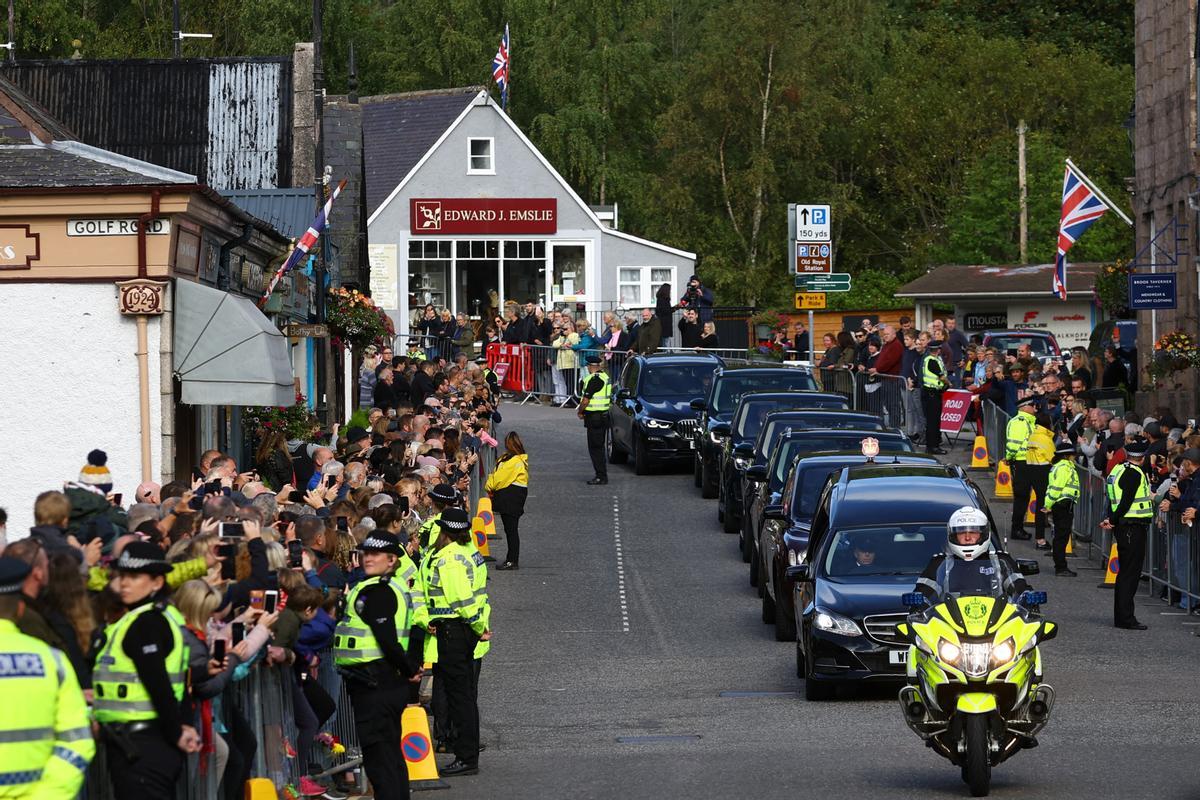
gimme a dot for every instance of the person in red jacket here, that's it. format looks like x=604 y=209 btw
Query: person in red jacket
x=892 y=353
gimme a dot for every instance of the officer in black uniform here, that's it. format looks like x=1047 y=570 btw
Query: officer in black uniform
x=1130 y=509
x=593 y=410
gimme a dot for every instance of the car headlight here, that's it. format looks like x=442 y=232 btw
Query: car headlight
x=741 y=462
x=1004 y=652
x=657 y=423
x=836 y=623
x=949 y=651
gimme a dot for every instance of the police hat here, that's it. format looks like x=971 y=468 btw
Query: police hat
x=1032 y=401
x=1064 y=448
x=444 y=493
x=481 y=359
x=13 y=572
x=593 y=359
x=454 y=519
x=142 y=557
x=381 y=542
x=1136 y=447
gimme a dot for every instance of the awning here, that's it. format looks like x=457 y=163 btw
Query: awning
x=227 y=352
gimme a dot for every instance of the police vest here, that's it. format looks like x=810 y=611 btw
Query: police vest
x=929 y=380
x=1142 y=506
x=1017 y=433
x=118 y=692
x=602 y=399
x=429 y=531
x=1064 y=483
x=353 y=640
x=424 y=575
x=47 y=741
x=417 y=355
x=451 y=592
x=481 y=598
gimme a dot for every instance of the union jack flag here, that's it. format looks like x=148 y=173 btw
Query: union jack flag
x=304 y=243
x=500 y=66
x=1080 y=208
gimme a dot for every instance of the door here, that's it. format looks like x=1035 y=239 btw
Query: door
x=624 y=409
x=566 y=280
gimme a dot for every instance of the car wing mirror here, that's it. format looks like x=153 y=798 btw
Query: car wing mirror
x=1028 y=566
x=756 y=473
x=799 y=572
x=774 y=512
x=624 y=394
x=722 y=429
x=698 y=404
x=744 y=449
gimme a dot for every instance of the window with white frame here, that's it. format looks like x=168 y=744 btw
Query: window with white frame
x=480 y=156
x=636 y=286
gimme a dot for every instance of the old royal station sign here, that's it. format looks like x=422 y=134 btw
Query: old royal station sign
x=483 y=215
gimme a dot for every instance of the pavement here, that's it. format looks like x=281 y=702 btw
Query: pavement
x=632 y=613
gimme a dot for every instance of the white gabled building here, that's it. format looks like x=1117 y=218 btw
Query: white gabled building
x=461 y=205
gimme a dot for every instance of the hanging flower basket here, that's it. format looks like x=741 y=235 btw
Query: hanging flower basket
x=1111 y=289
x=354 y=319
x=1174 y=352
x=296 y=421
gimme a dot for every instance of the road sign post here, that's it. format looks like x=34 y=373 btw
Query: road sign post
x=830 y=282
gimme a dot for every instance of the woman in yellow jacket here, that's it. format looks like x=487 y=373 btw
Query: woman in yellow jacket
x=1037 y=460
x=508 y=487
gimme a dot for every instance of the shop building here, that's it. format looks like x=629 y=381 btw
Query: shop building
x=126 y=308
x=466 y=214
x=991 y=297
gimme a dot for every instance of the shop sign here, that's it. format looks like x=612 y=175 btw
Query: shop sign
x=1070 y=322
x=126 y=226
x=187 y=252
x=210 y=262
x=985 y=320
x=483 y=215
x=303 y=330
x=254 y=279
x=384 y=273
x=19 y=247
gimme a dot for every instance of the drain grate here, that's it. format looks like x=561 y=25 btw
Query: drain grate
x=757 y=694
x=658 y=739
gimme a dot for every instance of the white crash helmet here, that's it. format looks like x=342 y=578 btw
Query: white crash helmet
x=964 y=520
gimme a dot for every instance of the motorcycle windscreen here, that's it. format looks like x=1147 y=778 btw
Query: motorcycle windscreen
x=981 y=577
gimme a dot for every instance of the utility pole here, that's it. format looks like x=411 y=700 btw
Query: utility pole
x=324 y=347
x=1021 y=184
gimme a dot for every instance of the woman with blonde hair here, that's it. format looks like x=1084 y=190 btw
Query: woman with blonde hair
x=508 y=486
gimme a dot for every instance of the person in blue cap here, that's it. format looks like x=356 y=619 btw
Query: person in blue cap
x=593 y=410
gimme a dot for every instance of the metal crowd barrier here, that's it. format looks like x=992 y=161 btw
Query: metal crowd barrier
x=433 y=347
x=885 y=395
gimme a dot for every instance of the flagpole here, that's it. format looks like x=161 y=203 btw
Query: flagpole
x=1096 y=189
x=508 y=75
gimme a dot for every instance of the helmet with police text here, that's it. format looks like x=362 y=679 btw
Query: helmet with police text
x=967 y=534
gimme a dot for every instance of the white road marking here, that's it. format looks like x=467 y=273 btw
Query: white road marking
x=620 y=568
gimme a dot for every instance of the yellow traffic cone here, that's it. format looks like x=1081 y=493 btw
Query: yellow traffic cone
x=260 y=789
x=417 y=747
x=1112 y=567
x=1003 y=480
x=1070 y=545
x=489 y=519
x=979 y=454
x=479 y=528
x=1031 y=511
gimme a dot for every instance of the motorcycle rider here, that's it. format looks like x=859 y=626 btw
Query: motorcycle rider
x=971 y=563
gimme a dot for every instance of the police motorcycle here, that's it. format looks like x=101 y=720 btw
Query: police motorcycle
x=975 y=693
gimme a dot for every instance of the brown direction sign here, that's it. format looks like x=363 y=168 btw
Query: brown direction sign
x=813 y=258
x=303 y=330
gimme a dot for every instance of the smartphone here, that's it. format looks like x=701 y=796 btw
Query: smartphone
x=1192 y=423
x=116 y=501
x=218 y=652
x=237 y=632
x=295 y=553
x=343 y=524
x=270 y=600
x=230 y=530
x=213 y=486
x=256 y=598
x=330 y=480
x=402 y=504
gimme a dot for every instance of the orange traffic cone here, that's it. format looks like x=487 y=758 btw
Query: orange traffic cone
x=1003 y=481
x=979 y=454
x=417 y=748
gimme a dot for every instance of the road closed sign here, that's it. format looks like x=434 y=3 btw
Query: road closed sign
x=955 y=405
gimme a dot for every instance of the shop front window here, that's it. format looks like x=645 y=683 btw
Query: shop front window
x=569 y=270
x=428 y=273
x=636 y=286
x=477 y=263
x=525 y=272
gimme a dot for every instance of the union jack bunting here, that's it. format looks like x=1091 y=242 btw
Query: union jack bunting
x=304 y=243
x=500 y=66
x=1080 y=208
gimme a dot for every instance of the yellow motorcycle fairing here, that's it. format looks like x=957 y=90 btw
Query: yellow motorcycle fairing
x=976 y=703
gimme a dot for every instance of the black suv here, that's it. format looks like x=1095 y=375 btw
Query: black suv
x=651 y=415
x=717 y=407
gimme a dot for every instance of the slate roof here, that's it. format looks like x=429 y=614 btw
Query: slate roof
x=289 y=211
x=20 y=116
x=27 y=165
x=958 y=280
x=398 y=129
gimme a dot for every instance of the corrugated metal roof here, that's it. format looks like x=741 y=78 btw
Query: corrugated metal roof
x=289 y=211
x=952 y=280
x=398 y=129
x=166 y=112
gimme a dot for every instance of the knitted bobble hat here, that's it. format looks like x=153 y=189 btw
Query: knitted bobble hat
x=95 y=472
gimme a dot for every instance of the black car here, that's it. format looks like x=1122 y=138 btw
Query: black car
x=875 y=528
x=796 y=443
x=651 y=415
x=784 y=534
x=747 y=419
x=718 y=404
x=748 y=454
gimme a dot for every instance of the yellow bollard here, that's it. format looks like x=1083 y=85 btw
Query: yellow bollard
x=1003 y=481
x=417 y=747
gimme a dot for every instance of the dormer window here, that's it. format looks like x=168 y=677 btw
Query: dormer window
x=480 y=157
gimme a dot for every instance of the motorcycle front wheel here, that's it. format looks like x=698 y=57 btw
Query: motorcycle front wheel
x=977 y=768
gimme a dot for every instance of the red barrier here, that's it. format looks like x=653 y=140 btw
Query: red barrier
x=519 y=377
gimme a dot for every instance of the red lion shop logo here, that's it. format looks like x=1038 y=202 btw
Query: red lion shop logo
x=429 y=215
x=1030 y=315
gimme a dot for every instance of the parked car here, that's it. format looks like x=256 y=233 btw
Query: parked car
x=1042 y=344
x=651 y=418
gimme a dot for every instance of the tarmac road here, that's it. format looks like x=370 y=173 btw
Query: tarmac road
x=632 y=613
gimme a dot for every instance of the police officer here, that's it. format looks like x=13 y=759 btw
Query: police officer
x=1130 y=509
x=369 y=650
x=138 y=682
x=458 y=619
x=1016 y=449
x=442 y=496
x=488 y=375
x=971 y=562
x=1062 y=494
x=593 y=410
x=933 y=382
x=45 y=738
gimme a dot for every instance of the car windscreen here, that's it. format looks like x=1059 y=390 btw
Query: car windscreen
x=732 y=386
x=676 y=381
x=770 y=433
x=1038 y=345
x=809 y=482
x=883 y=550
x=830 y=441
